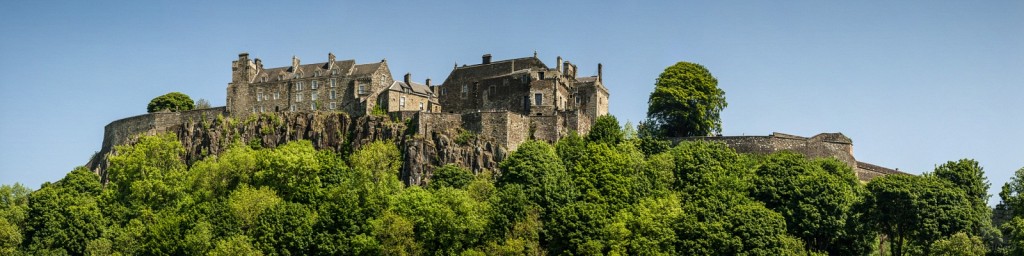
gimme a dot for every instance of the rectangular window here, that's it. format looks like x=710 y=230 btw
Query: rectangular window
x=333 y=106
x=298 y=86
x=541 y=75
x=277 y=95
x=312 y=96
x=401 y=102
x=362 y=88
x=298 y=98
x=313 y=84
x=293 y=108
x=332 y=94
x=538 y=99
x=262 y=109
x=312 y=106
x=334 y=82
x=421 y=106
x=465 y=88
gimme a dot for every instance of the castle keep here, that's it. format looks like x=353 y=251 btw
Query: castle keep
x=473 y=118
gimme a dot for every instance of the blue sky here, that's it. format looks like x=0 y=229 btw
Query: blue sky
x=914 y=84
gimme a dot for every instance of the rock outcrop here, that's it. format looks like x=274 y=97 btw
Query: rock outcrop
x=335 y=131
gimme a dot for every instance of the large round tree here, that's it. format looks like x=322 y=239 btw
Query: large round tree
x=174 y=102
x=686 y=102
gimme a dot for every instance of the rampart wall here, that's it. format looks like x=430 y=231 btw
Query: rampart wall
x=120 y=131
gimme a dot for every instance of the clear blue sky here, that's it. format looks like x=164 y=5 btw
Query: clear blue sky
x=914 y=84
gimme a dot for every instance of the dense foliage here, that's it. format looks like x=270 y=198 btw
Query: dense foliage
x=599 y=194
x=174 y=102
x=686 y=102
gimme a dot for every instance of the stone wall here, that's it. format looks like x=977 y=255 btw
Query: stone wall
x=835 y=145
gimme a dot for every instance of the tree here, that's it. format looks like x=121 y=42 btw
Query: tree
x=959 y=244
x=202 y=104
x=537 y=167
x=173 y=102
x=914 y=211
x=815 y=203
x=686 y=101
x=451 y=175
x=605 y=130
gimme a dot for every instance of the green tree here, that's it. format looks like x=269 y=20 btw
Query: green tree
x=969 y=176
x=174 y=102
x=816 y=204
x=959 y=244
x=247 y=203
x=536 y=167
x=65 y=216
x=915 y=211
x=686 y=101
x=451 y=175
x=234 y=245
x=293 y=170
x=605 y=130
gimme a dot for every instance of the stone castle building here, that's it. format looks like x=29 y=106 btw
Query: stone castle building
x=512 y=100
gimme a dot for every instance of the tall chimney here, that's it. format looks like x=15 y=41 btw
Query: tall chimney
x=487 y=58
x=295 y=63
x=428 y=81
x=408 y=79
x=330 y=56
x=599 y=72
x=558 y=64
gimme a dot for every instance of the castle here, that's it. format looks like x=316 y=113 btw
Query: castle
x=501 y=103
x=522 y=92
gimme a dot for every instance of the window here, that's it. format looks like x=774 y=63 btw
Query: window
x=334 y=82
x=541 y=75
x=538 y=99
x=401 y=102
x=332 y=95
x=313 y=84
x=444 y=90
x=293 y=108
x=298 y=98
x=312 y=106
x=362 y=88
x=298 y=86
x=312 y=96
x=334 y=72
x=277 y=95
x=296 y=76
x=262 y=109
x=263 y=79
x=280 y=77
x=317 y=73
x=333 y=106
x=421 y=106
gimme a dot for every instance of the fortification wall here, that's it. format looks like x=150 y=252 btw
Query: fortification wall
x=822 y=145
x=120 y=131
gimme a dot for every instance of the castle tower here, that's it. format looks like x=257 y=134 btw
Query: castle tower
x=242 y=72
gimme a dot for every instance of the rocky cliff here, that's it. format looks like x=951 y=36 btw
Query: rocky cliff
x=422 y=150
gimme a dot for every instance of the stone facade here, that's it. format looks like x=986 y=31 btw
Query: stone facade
x=834 y=145
x=407 y=95
x=330 y=86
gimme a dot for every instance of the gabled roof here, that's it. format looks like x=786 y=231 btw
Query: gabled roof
x=366 y=69
x=306 y=70
x=415 y=88
x=494 y=69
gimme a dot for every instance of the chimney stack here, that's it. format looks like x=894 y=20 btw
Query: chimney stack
x=259 y=64
x=428 y=81
x=558 y=64
x=487 y=58
x=330 y=56
x=408 y=79
x=295 y=63
x=599 y=76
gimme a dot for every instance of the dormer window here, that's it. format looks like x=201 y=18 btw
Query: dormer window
x=263 y=79
x=317 y=73
x=280 y=77
x=296 y=76
x=334 y=72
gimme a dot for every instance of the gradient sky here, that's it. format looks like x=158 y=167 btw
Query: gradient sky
x=914 y=84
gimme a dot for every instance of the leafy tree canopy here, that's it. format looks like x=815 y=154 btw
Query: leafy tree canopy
x=174 y=102
x=686 y=101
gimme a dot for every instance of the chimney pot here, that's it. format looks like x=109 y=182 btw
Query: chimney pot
x=599 y=75
x=408 y=79
x=428 y=81
x=487 y=58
